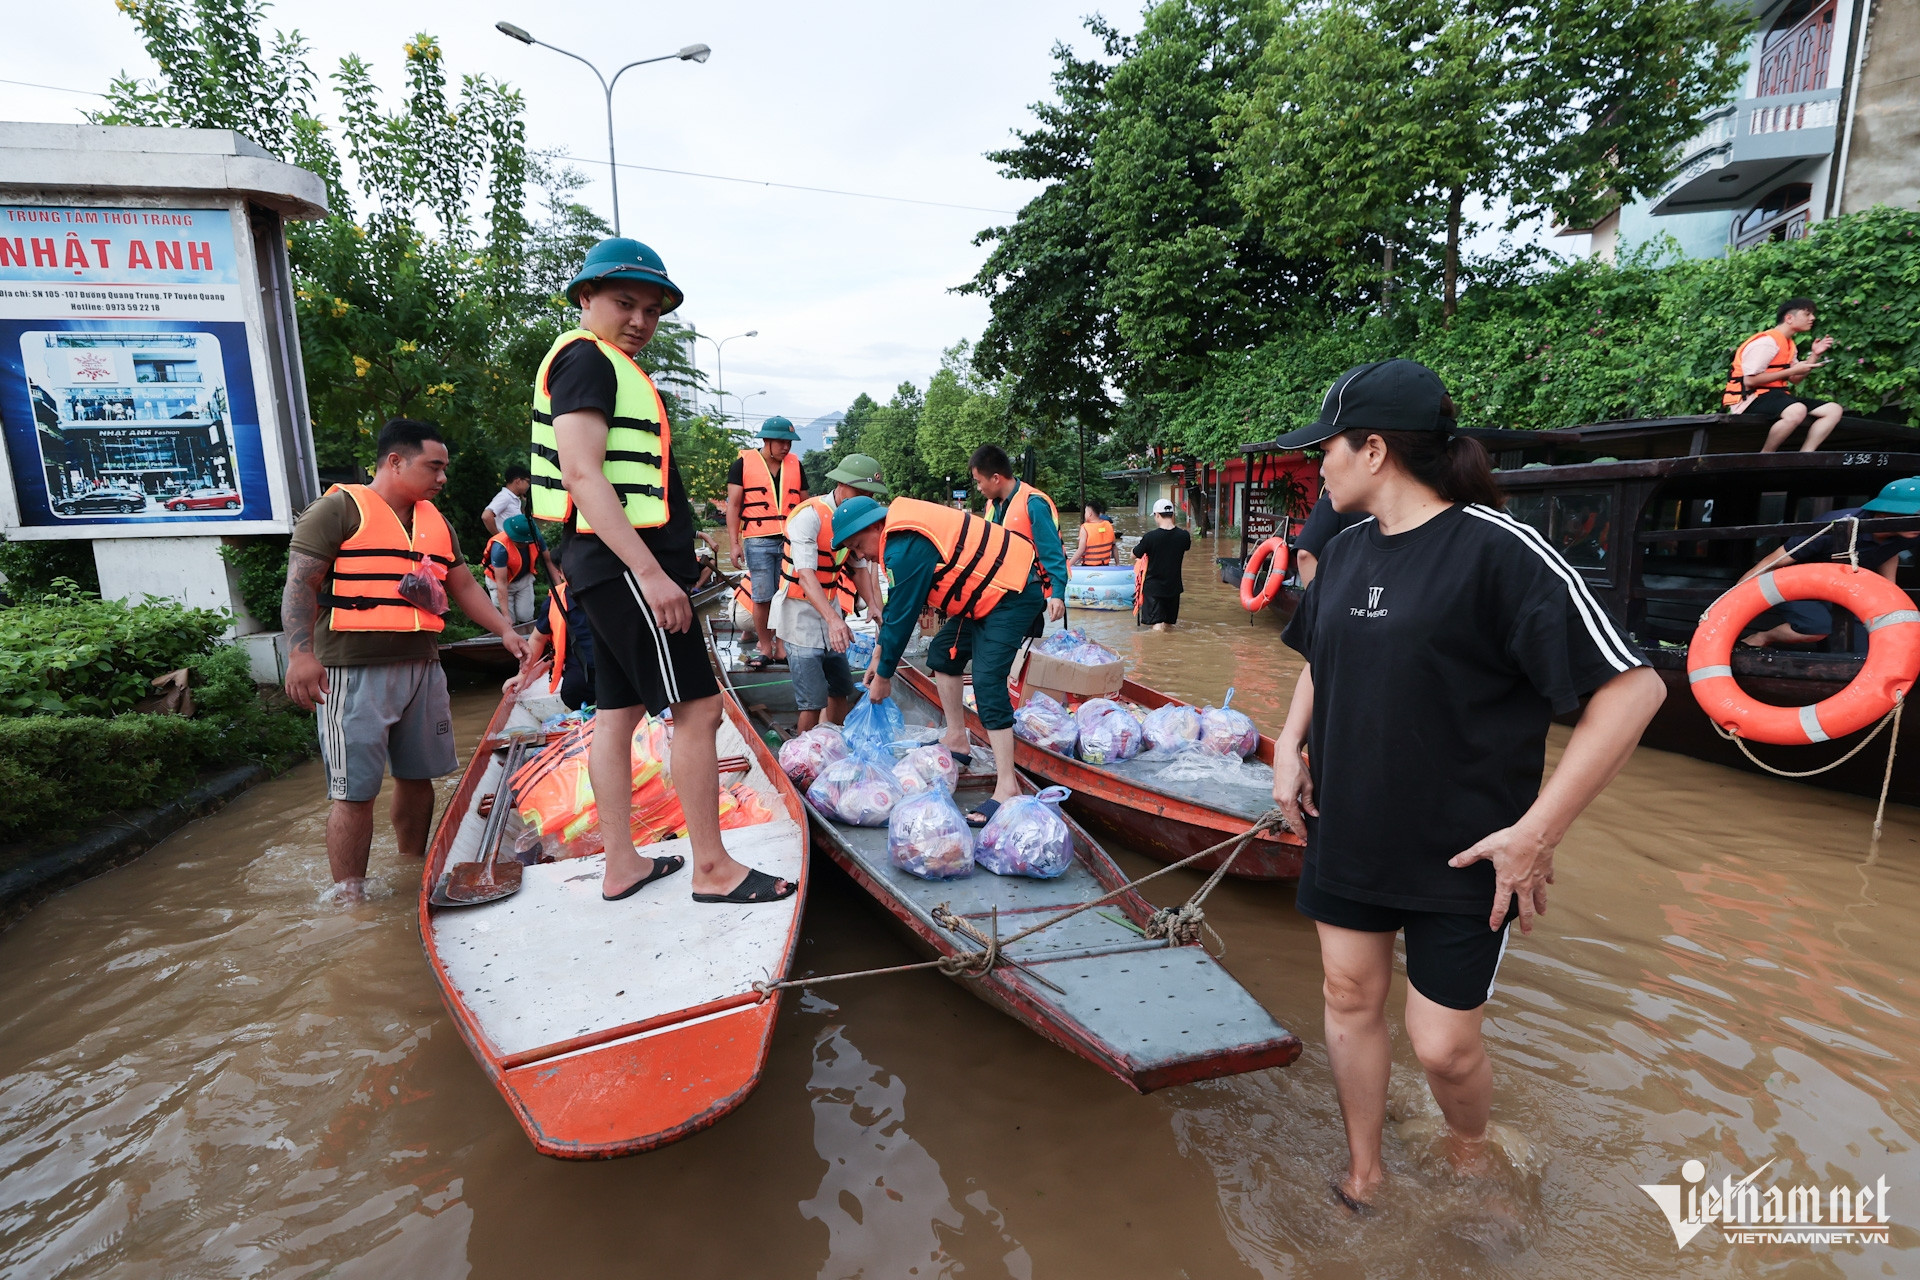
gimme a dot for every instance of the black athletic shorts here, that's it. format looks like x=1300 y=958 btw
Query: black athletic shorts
x=1451 y=958
x=1775 y=401
x=636 y=661
x=1159 y=609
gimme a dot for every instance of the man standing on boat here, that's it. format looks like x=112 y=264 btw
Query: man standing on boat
x=362 y=644
x=763 y=487
x=1767 y=364
x=810 y=613
x=984 y=580
x=1025 y=511
x=603 y=467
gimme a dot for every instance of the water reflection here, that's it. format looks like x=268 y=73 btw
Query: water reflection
x=202 y=1072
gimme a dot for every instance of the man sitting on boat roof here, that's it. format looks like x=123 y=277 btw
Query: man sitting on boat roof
x=1810 y=621
x=1766 y=364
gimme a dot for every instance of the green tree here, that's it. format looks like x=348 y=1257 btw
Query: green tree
x=1371 y=123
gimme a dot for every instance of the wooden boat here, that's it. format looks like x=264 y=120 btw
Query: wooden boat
x=1161 y=818
x=614 y=1028
x=1147 y=1013
x=1660 y=516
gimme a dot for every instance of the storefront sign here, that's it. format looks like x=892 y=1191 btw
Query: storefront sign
x=126 y=378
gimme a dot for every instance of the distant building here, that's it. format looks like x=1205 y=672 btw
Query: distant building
x=1827 y=122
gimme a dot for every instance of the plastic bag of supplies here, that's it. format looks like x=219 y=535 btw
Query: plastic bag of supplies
x=1174 y=727
x=854 y=791
x=1224 y=731
x=873 y=727
x=1026 y=837
x=926 y=766
x=1045 y=723
x=1108 y=732
x=804 y=757
x=928 y=836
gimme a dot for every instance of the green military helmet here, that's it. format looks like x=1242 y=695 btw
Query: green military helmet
x=620 y=258
x=517 y=528
x=853 y=515
x=858 y=471
x=1899 y=498
x=778 y=428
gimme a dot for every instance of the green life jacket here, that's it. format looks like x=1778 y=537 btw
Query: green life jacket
x=638 y=440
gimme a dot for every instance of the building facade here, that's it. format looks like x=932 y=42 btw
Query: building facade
x=1827 y=122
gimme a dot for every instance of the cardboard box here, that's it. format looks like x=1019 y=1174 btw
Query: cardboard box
x=1062 y=679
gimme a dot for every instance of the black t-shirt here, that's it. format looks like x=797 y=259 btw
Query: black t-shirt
x=581 y=377
x=1832 y=545
x=1164 y=549
x=1439 y=656
x=737 y=472
x=1322 y=523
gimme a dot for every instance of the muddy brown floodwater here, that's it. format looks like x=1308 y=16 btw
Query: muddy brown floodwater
x=205 y=1072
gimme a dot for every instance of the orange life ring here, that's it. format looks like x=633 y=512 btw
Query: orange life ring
x=1893 y=654
x=1275 y=548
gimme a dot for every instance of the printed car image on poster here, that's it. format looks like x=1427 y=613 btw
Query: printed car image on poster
x=126 y=388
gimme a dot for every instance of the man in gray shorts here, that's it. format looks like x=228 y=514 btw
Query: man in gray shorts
x=363 y=648
x=810 y=611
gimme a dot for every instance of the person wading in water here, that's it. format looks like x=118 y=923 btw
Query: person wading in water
x=1448 y=635
x=365 y=653
x=603 y=466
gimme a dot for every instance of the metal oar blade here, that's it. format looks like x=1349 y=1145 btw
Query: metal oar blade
x=474 y=882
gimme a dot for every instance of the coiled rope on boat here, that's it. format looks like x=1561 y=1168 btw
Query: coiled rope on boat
x=1180 y=925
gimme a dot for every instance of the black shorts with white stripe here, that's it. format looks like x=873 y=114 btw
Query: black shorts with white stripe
x=637 y=662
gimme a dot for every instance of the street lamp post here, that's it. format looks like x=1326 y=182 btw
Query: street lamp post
x=719 y=364
x=691 y=53
x=742 y=401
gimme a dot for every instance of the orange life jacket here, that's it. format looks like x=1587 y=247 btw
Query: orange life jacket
x=520 y=558
x=1096 y=543
x=364 y=590
x=557 y=624
x=1783 y=356
x=980 y=562
x=763 y=511
x=1018 y=518
x=833 y=569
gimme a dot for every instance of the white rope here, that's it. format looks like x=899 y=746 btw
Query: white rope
x=1886 y=780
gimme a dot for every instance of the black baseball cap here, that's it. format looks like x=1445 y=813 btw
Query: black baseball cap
x=1385 y=395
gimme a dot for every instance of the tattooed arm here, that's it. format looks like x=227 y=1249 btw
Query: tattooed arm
x=299 y=614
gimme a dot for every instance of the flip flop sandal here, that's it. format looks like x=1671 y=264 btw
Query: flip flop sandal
x=756 y=662
x=983 y=811
x=961 y=758
x=756 y=888
x=1358 y=1208
x=663 y=866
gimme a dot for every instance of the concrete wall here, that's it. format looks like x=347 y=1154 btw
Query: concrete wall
x=1883 y=145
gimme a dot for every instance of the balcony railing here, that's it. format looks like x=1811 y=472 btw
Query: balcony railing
x=1781 y=117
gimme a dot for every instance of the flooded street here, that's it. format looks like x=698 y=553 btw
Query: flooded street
x=205 y=1072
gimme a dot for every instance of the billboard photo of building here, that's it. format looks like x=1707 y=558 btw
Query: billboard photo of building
x=132 y=423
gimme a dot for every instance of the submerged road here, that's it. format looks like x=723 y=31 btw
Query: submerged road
x=204 y=1071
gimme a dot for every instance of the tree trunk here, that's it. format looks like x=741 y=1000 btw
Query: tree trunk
x=1386 y=283
x=1454 y=198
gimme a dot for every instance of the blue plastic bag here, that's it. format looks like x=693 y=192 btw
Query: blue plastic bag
x=872 y=728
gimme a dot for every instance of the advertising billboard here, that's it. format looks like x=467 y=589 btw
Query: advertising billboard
x=126 y=373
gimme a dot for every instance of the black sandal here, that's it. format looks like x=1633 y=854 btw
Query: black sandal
x=756 y=888
x=663 y=866
x=983 y=811
x=1358 y=1208
x=755 y=662
x=961 y=758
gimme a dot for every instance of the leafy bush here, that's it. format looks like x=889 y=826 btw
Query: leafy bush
x=70 y=653
x=262 y=566
x=58 y=772
x=31 y=568
x=1592 y=342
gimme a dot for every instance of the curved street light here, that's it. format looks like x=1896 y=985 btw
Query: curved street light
x=719 y=365
x=742 y=402
x=689 y=53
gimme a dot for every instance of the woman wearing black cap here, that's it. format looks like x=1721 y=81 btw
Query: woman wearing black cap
x=1441 y=638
